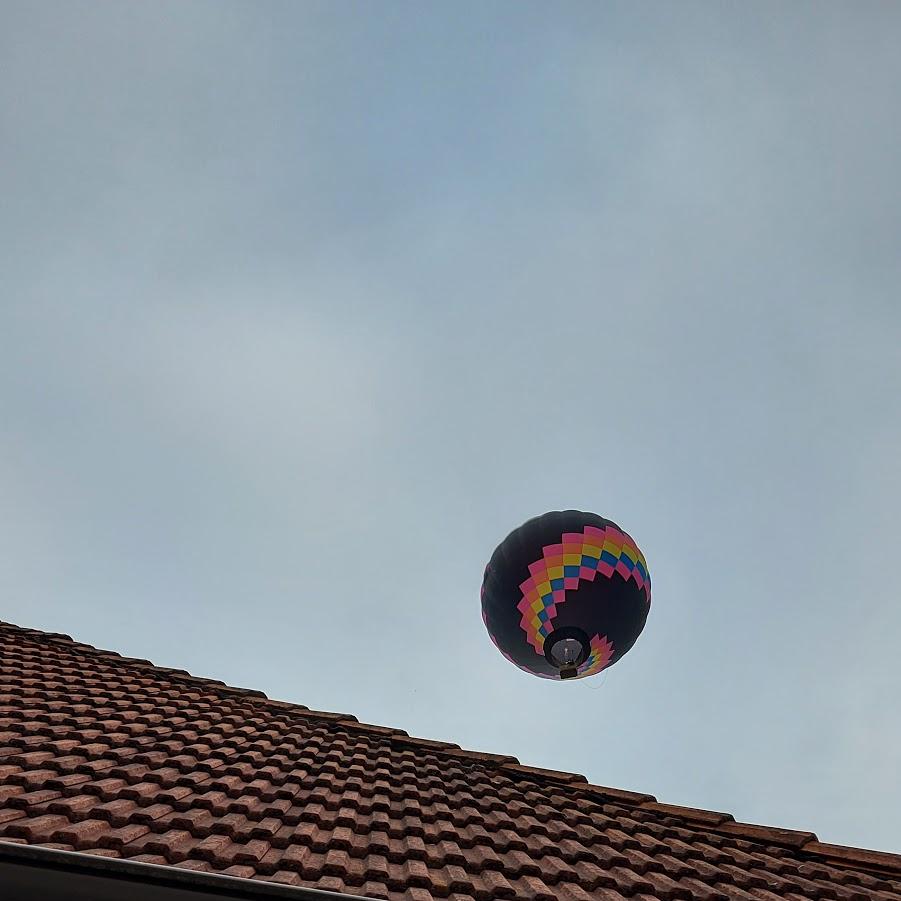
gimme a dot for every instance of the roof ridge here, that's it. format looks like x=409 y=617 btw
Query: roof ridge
x=805 y=843
x=179 y=675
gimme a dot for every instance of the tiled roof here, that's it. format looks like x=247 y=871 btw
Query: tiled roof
x=110 y=755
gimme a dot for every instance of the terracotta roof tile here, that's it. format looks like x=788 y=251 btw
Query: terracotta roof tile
x=110 y=755
x=8 y=815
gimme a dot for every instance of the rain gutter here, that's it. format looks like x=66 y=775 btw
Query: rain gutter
x=33 y=873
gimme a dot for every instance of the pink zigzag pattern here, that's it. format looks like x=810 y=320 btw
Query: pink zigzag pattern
x=579 y=555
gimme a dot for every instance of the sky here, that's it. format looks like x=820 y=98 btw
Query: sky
x=305 y=305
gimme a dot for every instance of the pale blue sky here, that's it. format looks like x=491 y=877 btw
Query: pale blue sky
x=304 y=306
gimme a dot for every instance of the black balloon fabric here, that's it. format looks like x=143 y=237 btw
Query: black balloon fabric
x=566 y=594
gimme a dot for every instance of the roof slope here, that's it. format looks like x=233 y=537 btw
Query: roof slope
x=110 y=755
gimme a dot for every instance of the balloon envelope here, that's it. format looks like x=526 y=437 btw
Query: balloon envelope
x=566 y=594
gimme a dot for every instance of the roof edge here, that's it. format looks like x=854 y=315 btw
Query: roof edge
x=33 y=863
x=882 y=862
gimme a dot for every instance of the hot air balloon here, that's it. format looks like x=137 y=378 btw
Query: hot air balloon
x=566 y=595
